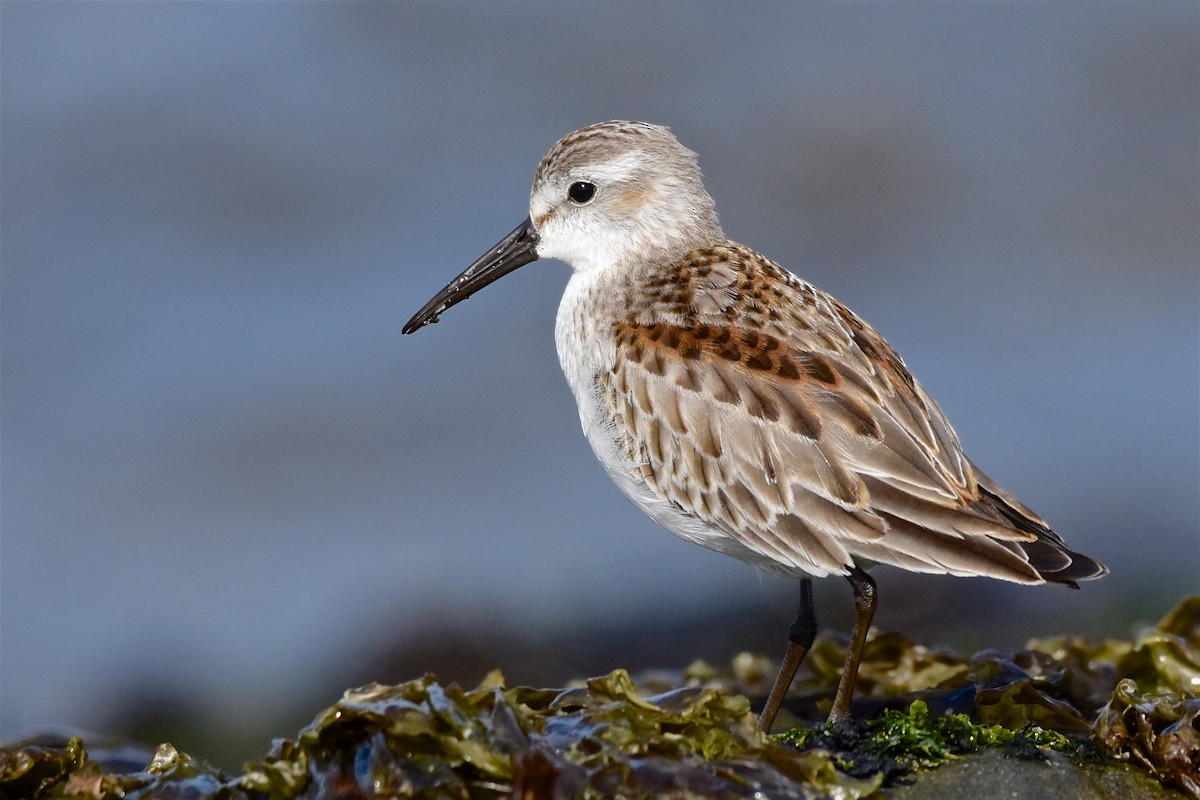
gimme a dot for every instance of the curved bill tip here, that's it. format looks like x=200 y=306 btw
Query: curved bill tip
x=514 y=250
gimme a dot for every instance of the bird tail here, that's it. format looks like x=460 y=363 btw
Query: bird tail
x=1048 y=553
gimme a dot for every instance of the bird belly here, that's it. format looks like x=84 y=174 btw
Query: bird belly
x=604 y=440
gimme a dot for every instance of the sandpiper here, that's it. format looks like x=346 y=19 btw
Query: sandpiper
x=742 y=408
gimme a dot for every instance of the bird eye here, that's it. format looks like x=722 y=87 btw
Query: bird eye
x=581 y=192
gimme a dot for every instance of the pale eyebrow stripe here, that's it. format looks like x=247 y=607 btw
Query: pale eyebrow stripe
x=620 y=168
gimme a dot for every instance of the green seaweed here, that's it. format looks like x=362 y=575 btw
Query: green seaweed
x=692 y=733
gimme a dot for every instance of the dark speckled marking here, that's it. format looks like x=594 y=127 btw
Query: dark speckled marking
x=770 y=408
x=819 y=369
x=759 y=361
x=730 y=353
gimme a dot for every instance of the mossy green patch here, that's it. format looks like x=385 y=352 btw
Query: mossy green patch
x=896 y=743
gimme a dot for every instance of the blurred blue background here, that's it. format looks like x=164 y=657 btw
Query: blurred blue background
x=232 y=489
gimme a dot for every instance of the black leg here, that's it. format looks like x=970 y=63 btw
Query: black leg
x=800 y=638
x=864 y=610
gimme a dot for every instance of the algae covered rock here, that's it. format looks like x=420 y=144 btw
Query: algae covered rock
x=1061 y=717
x=422 y=740
x=1153 y=716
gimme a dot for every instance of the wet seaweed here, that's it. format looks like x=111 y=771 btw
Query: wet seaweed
x=692 y=733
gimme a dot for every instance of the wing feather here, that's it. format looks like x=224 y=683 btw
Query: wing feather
x=774 y=414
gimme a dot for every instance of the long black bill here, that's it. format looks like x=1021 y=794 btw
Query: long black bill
x=515 y=250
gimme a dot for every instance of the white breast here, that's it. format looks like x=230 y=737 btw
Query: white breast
x=585 y=351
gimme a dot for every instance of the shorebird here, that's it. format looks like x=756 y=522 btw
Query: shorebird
x=743 y=408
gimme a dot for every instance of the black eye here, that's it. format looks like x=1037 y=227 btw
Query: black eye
x=581 y=192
